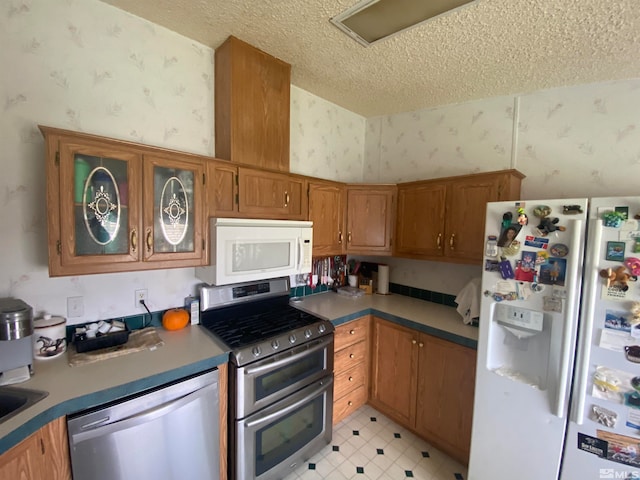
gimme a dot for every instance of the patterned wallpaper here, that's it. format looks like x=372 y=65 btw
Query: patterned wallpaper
x=326 y=140
x=579 y=141
x=84 y=65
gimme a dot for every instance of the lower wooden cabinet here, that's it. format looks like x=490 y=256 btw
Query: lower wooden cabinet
x=42 y=455
x=351 y=367
x=425 y=384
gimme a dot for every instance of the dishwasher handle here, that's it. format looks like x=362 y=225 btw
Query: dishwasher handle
x=139 y=418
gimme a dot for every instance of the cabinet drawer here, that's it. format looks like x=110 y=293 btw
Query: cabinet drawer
x=346 y=381
x=350 y=333
x=349 y=356
x=345 y=406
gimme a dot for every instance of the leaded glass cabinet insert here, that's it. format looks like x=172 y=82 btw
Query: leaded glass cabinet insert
x=173 y=229
x=101 y=210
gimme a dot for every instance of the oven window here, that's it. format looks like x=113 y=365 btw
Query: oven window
x=291 y=374
x=247 y=257
x=284 y=437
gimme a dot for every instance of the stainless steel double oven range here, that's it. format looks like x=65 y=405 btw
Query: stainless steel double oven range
x=280 y=376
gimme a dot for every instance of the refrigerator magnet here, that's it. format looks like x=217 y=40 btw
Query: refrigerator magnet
x=615 y=251
x=603 y=416
x=552 y=304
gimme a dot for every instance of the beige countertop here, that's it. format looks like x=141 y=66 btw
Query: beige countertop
x=192 y=350
x=71 y=389
x=433 y=318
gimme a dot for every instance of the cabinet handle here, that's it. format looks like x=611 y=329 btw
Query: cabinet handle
x=134 y=240
x=452 y=240
x=286 y=199
x=352 y=332
x=42 y=449
x=413 y=342
x=439 y=241
x=351 y=379
x=149 y=240
x=349 y=237
x=421 y=344
x=351 y=355
x=350 y=403
x=340 y=237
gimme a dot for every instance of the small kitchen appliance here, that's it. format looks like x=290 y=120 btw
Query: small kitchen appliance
x=16 y=349
x=280 y=376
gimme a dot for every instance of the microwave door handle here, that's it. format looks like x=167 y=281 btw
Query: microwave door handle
x=299 y=260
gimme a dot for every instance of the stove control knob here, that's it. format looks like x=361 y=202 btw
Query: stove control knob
x=307 y=333
x=275 y=344
x=292 y=338
x=321 y=328
x=256 y=351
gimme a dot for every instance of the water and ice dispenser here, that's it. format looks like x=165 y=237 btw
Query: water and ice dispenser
x=519 y=344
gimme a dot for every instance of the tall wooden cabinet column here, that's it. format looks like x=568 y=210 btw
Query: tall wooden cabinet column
x=252 y=96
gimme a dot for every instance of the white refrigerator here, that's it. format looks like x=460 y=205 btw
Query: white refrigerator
x=558 y=380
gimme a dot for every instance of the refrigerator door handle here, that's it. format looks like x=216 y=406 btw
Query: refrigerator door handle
x=571 y=319
x=586 y=328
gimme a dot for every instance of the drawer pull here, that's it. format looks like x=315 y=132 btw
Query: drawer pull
x=351 y=355
x=421 y=344
x=413 y=342
x=350 y=403
x=352 y=332
x=351 y=379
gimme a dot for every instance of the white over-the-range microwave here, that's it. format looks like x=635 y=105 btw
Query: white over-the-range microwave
x=245 y=250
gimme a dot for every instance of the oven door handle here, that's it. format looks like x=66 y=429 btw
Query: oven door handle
x=323 y=386
x=321 y=343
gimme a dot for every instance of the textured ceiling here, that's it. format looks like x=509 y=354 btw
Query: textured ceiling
x=490 y=48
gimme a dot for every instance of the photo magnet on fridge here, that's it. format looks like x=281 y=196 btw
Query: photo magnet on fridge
x=553 y=272
x=615 y=251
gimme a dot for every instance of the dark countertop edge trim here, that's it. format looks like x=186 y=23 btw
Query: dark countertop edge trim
x=452 y=337
x=101 y=397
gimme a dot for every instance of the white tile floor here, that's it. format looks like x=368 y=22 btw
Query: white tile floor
x=369 y=446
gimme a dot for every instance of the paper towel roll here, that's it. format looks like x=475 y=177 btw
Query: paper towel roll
x=383 y=279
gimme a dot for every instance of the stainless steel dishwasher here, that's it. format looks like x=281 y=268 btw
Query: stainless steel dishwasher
x=168 y=433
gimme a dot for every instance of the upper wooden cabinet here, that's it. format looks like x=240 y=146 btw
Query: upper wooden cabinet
x=252 y=102
x=114 y=206
x=327 y=202
x=370 y=218
x=222 y=189
x=444 y=219
x=263 y=194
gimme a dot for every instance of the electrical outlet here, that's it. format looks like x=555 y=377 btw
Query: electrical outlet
x=141 y=295
x=75 y=307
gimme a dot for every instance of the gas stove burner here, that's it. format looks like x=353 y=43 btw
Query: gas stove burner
x=261 y=324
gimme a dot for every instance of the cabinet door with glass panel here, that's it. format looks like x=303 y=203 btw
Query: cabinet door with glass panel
x=173 y=210
x=94 y=207
x=113 y=206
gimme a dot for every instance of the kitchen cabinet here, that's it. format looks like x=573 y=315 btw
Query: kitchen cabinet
x=424 y=383
x=327 y=202
x=445 y=389
x=265 y=194
x=44 y=454
x=444 y=219
x=370 y=218
x=115 y=206
x=222 y=189
x=351 y=367
x=252 y=102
